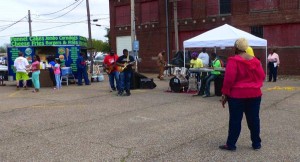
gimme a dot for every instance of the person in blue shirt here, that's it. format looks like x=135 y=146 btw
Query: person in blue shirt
x=81 y=70
x=125 y=63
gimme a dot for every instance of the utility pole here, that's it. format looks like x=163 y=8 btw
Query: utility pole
x=175 y=25
x=132 y=12
x=167 y=30
x=29 y=21
x=133 y=34
x=89 y=23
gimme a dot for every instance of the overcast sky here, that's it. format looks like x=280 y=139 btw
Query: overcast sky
x=13 y=10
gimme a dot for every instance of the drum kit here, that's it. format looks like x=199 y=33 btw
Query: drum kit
x=178 y=83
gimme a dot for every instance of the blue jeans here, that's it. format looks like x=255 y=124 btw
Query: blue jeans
x=249 y=106
x=125 y=78
x=112 y=77
x=208 y=79
x=82 y=72
x=58 y=81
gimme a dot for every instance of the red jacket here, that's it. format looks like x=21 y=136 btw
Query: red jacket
x=243 y=78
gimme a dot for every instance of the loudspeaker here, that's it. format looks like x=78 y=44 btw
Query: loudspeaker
x=141 y=81
x=147 y=83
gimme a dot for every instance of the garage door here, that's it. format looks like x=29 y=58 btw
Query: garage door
x=123 y=42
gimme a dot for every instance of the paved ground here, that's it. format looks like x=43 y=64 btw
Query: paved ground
x=89 y=123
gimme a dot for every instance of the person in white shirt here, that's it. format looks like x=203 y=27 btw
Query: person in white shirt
x=204 y=57
x=21 y=64
x=273 y=63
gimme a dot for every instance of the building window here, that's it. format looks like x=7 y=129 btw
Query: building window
x=263 y=5
x=149 y=11
x=225 y=6
x=257 y=31
x=123 y=15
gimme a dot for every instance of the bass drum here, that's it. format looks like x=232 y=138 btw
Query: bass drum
x=178 y=84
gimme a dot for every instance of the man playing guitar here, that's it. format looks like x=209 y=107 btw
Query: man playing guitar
x=125 y=62
x=111 y=69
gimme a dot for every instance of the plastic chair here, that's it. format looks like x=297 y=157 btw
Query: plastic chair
x=66 y=72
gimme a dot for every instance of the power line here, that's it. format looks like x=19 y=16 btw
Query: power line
x=59 y=10
x=64 y=13
x=10 y=25
x=41 y=29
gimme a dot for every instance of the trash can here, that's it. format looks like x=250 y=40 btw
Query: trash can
x=218 y=85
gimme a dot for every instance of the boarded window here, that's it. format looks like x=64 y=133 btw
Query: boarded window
x=149 y=11
x=257 y=31
x=185 y=35
x=184 y=9
x=212 y=7
x=289 y=4
x=261 y=5
x=282 y=35
x=123 y=15
x=225 y=6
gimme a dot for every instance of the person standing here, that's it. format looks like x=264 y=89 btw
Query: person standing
x=161 y=64
x=56 y=70
x=204 y=57
x=82 y=70
x=242 y=84
x=51 y=72
x=125 y=62
x=21 y=64
x=273 y=64
x=35 y=68
x=110 y=65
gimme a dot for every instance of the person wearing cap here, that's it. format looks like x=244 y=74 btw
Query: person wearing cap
x=273 y=63
x=110 y=64
x=161 y=64
x=242 y=84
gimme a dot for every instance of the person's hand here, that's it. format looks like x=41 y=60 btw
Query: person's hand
x=223 y=100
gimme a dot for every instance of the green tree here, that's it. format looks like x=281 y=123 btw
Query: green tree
x=2 y=49
x=100 y=46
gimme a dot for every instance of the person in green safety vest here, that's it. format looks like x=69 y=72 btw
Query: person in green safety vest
x=213 y=75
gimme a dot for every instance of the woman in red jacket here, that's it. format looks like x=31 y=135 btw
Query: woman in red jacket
x=243 y=80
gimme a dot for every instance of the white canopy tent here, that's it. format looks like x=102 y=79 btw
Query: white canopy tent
x=223 y=36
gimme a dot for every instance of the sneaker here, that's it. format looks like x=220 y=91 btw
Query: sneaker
x=225 y=147
x=18 y=88
x=128 y=93
x=204 y=96
x=25 y=88
x=120 y=94
x=256 y=148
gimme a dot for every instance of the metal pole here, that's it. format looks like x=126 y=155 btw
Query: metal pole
x=29 y=21
x=167 y=30
x=176 y=25
x=89 y=23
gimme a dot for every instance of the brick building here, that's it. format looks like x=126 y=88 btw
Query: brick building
x=278 y=21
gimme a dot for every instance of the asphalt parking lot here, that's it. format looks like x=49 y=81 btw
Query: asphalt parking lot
x=89 y=123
